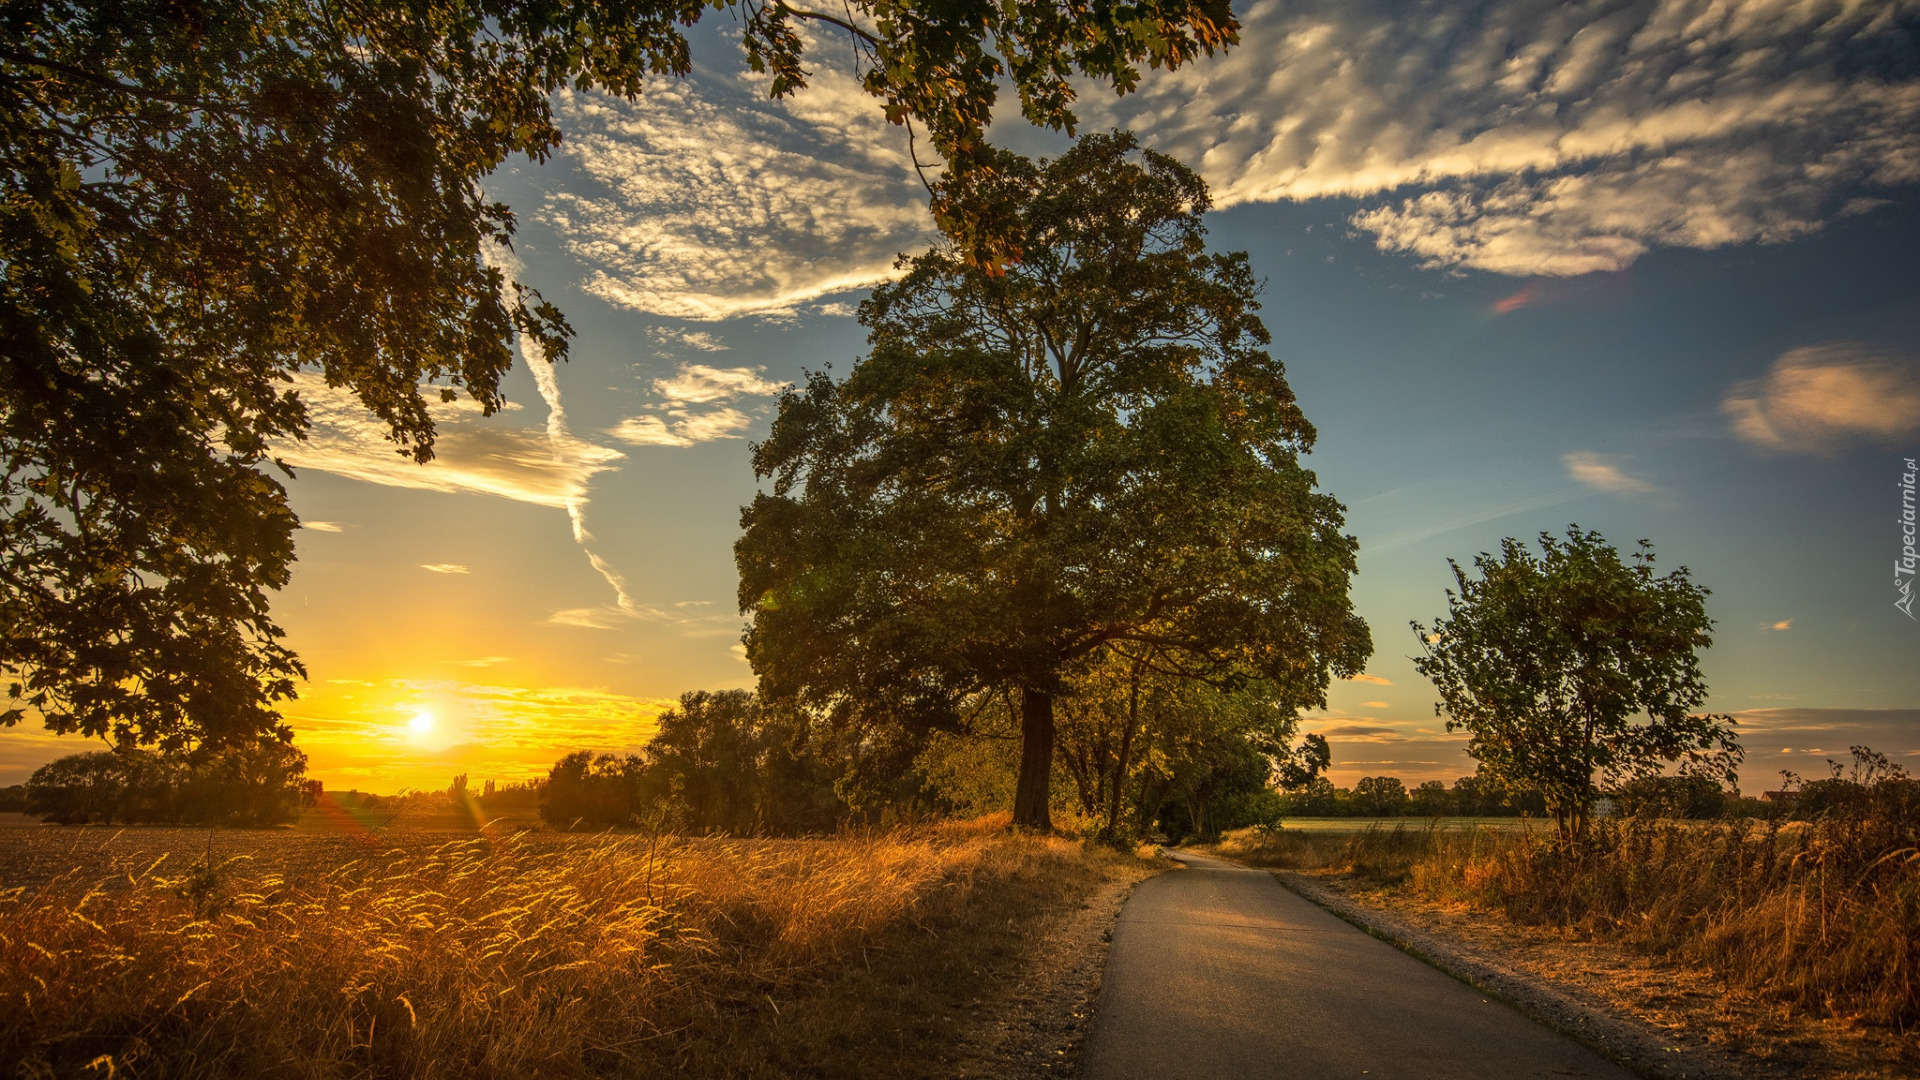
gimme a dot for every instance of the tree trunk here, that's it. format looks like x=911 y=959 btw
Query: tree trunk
x=1126 y=750
x=1036 y=761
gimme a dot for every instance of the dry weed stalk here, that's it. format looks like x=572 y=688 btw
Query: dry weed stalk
x=479 y=958
x=1824 y=915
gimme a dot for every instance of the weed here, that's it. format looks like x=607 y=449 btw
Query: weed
x=512 y=957
x=1823 y=915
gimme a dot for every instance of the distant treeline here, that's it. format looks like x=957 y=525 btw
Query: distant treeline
x=728 y=762
x=261 y=784
x=1696 y=798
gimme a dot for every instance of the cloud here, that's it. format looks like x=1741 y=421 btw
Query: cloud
x=681 y=428
x=1817 y=398
x=1358 y=730
x=445 y=568
x=1594 y=470
x=547 y=466
x=1375 y=705
x=702 y=340
x=503 y=732
x=1799 y=738
x=471 y=454
x=1377 y=679
x=322 y=526
x=699 y=384
x=1524 y=137
x=704 y=200
x=26 y=746
x=1533 y=137
x=677 y=423
x=1783 y=624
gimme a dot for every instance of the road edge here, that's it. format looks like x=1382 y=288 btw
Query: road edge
x=1038 y=1029
x=1623 y=1041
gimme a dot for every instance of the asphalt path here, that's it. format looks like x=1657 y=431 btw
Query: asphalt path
x=1218 y=971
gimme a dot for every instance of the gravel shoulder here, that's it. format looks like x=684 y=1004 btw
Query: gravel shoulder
x=1036 y=1023
x=1656 y=1019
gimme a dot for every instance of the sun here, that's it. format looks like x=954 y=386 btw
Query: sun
x=421 y=724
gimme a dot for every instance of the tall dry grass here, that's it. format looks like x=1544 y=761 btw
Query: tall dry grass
x=482 y=958
x=1824 y=915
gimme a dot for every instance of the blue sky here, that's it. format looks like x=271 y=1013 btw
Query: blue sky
x=1645 y=267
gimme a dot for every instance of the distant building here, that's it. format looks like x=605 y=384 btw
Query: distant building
x=1602 y=808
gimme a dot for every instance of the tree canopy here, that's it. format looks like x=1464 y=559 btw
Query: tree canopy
x=1092 y=448
x=1572 y=663
x=198 y=200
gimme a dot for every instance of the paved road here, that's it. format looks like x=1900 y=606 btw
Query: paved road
x=1219 y=972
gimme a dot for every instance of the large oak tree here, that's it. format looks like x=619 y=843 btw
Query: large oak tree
x=199 y=198
x=1092 y=447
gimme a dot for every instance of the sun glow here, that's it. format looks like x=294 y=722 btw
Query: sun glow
x=421 y=725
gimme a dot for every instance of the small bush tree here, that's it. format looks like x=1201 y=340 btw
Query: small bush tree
x=1572 y=664
x=583 y=790
x=1380 y=796
x=1432 y=799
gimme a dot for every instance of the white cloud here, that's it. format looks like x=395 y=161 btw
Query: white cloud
x=1594 y=470
x=1526 y=137
x=1536 y=137
x=323 y=526
x=680 y=427
x=702 y=340
x=677 y=423
x=648 y=431
x=445 y=568
x=704 y=200
x=697 y=383
x=470 y=454
x=1817 y=398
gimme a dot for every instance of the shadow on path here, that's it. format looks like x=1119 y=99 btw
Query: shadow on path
x=1217 y=971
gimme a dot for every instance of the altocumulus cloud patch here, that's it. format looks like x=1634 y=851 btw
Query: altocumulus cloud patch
x=1525 y=137
x=704 y=200
x=1534 y=137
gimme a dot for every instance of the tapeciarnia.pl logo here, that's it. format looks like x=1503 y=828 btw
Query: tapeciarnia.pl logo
x=1903 y=566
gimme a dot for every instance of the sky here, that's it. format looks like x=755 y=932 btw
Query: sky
x=1644 y=267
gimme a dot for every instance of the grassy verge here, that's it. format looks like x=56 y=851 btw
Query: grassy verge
x=521 y=958
x=1822 y=916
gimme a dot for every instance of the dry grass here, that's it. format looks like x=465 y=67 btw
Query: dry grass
x=527 y=957
x=1823 y=916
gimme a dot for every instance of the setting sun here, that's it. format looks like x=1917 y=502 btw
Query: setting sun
x=421 y=724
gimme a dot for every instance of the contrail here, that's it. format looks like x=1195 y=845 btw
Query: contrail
x=560 y=440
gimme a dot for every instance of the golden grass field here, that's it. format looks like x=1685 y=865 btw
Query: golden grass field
x=1821 y=917
x=511 y=955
